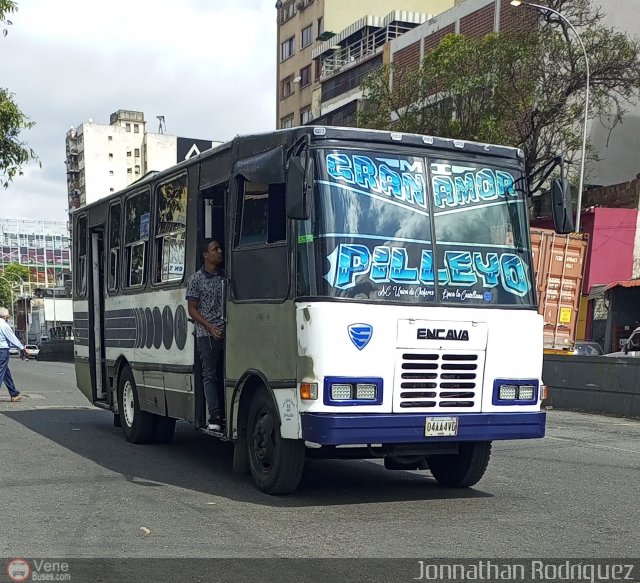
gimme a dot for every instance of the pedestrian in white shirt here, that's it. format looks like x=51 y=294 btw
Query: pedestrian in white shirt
x=7 y=339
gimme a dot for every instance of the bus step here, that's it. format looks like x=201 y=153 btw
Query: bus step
x=218 y=434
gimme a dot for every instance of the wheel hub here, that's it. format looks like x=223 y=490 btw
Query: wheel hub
x=128 y=403
x=263 y=441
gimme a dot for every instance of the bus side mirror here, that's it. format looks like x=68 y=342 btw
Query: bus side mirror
x=299 y=185
x=561 y=206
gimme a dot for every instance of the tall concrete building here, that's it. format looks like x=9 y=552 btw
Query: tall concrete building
x=104 y=158
x=305 y=24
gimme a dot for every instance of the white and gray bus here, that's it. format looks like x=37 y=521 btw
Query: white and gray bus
x=379 y=301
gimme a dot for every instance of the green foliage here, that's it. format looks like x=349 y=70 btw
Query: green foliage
x=10 y=279
x=523 y=89
x=6 y=7
x=14 y=153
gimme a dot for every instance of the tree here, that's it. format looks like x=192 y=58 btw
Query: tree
x=14 y=153
x=10 y=278
x=525 y=89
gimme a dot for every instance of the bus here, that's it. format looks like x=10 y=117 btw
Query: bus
x=378 y=301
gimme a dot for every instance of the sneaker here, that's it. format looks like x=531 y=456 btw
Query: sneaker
x=16 y=398
x=215 y=423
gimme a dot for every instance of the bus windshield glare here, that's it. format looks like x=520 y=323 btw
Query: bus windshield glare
x=398 y=228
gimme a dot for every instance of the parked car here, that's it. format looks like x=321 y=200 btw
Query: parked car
x=630 y=347
x=31 y=350
x=587 y=349
x=13 y=350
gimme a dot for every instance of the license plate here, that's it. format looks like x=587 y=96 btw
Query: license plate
x=440 y=426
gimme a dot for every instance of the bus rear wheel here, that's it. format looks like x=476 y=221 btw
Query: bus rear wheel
x=276 y=464
x=463 y=469
x=137 y=425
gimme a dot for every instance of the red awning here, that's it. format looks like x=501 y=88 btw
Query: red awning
x=623 y=283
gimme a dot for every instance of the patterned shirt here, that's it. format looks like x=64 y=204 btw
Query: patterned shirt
x=7 y=337
x=207 y=289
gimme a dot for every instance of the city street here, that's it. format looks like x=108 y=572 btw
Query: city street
x=73 y=487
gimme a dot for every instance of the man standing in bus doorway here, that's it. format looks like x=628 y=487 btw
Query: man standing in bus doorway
x=204 y=295
x=8 y=339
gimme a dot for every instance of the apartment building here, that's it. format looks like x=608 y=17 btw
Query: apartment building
x=305 y=24
x=104 y=158
x=42 y=246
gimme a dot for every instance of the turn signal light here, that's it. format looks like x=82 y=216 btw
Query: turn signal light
x=308 y=391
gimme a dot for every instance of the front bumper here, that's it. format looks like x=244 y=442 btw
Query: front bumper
x=347 y=429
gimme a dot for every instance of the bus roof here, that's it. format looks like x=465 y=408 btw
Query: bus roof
x=321 y=133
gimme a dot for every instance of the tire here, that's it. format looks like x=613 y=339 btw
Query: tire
x=463 y=469
x=163 y=430
x=275 y=463
x=137 y=425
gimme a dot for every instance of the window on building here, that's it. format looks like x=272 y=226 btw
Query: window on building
x=305 y=76
x=320 y=25
x=110 y=156
x=112 y=190
x=305 y=115
x=110 y=138
x=262 y=214
x=286 y=122
x=115 y=239
x=137 y=169
x=287 y=48
x=127 y=127
x=110 y=172
x=171 y=220
x=129 y=170
x=288 y=11
x=136 y=128
x=286 y=87
x=136 y=237
x=128 y=153
x=137 y=152
x=306 y=36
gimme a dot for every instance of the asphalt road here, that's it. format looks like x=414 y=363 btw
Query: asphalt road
x=71 y=486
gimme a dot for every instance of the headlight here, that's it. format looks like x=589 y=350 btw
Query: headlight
x=366 y=391
x=526 y=392
x=341 y=392
x=347 y=391
x=508 y=392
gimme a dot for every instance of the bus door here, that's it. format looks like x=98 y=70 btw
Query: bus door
x=96 y=316
x=211 y=221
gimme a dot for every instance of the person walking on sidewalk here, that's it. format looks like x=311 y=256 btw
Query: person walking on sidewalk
x=7 y=339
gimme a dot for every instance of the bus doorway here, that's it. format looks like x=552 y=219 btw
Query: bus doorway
x=211 y=221
x=96 y=316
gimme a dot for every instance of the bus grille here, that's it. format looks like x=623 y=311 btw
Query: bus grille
x=438 y=381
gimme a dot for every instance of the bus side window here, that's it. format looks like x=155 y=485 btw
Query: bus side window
x=115 y=216
x=81 y=266
x=136 y=239
x=171 y=221
x=262 y=214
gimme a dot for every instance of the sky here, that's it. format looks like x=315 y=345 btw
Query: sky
x=207 y=66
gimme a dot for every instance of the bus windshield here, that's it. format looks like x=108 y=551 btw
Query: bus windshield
x=412 y=229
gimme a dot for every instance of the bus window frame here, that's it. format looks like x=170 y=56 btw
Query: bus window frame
x=82 y=294
x=124 y=267
x=118 y=275
x=153 y=231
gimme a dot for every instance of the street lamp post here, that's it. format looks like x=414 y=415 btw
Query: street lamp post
x=586 y=97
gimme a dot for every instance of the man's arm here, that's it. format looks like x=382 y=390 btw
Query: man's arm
x=10 y=336
x=196 y=316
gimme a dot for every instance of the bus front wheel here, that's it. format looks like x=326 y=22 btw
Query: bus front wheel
x=276 y=464
x=463 y=469
x=137 y=425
